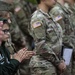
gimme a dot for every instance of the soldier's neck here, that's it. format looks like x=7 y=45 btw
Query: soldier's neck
x=43 y=7
x=62 y=2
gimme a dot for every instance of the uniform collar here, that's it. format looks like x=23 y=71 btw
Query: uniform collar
x=44 y=13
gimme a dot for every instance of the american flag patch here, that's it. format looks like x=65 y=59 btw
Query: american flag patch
x=36 y=24
x=59 y=17
x=17 y=9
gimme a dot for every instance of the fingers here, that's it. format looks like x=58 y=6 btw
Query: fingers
x=25 y=54
x=62 y=66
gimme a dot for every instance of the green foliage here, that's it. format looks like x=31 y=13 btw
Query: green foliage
x=32 y=1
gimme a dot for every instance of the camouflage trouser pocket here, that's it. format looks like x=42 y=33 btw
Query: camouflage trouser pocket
x=42 y=71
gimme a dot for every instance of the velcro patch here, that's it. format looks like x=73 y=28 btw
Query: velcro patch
x=36 y=24
x=59 y=17
x=17 y=9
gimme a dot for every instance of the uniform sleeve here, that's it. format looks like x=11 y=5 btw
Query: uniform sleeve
x=38 y=31
x=9 y=68
x=58 y=15
x=16 y=34
x=22 y=17
x=62 y=19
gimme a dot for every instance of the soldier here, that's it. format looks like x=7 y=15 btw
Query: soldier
x=22 y=11
x=22 y=14
x=70 y=4
x=64 y=17
x=47 y=35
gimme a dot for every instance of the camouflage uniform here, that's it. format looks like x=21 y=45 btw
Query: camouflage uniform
x=73 y=38
x=64 y=18
x=48 y=41
x=73 y=8
x=22 y=14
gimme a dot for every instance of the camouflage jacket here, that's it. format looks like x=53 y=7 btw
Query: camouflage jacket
x=48 y=38
x=22 y=12
x=73 y=8
x=63 y=17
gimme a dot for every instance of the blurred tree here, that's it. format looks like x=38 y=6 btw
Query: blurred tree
x=32 y=1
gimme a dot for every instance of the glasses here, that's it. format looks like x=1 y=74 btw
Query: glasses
x=6 y=30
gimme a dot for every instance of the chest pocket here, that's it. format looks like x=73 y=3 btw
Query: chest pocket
x=53 y=32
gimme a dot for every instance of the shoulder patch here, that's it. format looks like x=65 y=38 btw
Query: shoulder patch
x=36 y=24
x=59 y=17
x=17 y=9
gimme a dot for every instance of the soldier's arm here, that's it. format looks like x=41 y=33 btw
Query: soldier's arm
x=16 y=34
x=22 y=17
x=38 y=31
x=58 y=15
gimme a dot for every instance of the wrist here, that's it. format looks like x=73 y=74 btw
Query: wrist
x=15 y=56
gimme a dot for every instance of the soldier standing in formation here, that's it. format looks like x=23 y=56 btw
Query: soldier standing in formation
x=70 y=5
x=47 y=36
x=65 y=18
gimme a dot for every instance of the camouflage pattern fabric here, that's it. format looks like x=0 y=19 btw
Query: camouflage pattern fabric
x=64 y=17
x=22 y=14
x=18 y=38
x=48 y=41
x=73 y=38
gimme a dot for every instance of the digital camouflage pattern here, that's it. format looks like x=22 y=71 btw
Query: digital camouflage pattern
x=48 y=41
x=22 y=12
x=73 y=38
x=64 y=17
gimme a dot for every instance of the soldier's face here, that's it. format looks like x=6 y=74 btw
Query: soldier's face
x=50 y=3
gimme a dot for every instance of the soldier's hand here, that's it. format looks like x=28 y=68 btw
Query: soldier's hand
x=23 y=54
x=62 y=66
